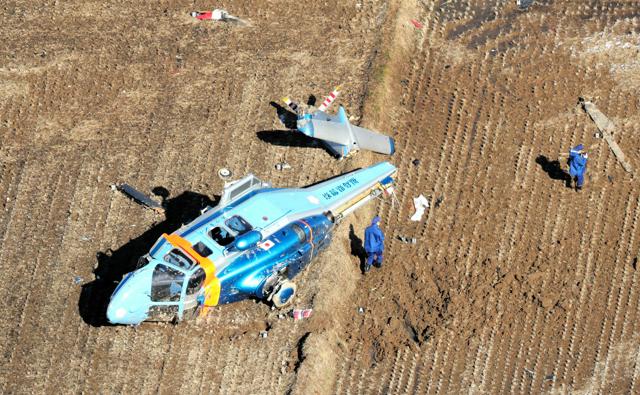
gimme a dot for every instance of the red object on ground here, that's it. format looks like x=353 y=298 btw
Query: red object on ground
x=417 y=24
x=205 y=15
x=299 y=314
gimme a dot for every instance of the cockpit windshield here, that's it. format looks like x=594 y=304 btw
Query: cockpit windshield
x=166 y=284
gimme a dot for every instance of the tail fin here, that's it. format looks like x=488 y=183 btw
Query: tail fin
x=342 y=115
x=332 y=96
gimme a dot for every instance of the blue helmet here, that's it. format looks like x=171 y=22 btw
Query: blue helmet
x=375 y=220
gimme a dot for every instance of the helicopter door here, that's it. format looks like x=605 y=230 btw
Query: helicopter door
x=166 y=290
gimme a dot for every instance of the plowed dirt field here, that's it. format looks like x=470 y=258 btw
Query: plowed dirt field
x=516 y=284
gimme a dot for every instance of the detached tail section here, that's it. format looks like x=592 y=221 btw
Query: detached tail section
x=326 y=130
x=365 y=138
x=337 y=132
x=372 y=141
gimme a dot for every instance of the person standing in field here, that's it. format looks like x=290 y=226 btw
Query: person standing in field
x=577 y=165
x=373 y=244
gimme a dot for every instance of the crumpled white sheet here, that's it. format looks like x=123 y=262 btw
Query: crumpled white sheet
x=421 y=204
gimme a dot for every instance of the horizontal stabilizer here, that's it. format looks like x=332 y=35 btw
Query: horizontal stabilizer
x=331 y=131
x=372 y=141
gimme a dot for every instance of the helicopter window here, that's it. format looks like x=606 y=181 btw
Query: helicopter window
x=142 y=261
x=297 y=229
x=196 y=281
x=221 y=236
x=202 y=249
x=179 y=258
x=166 y=284
x=238 y=225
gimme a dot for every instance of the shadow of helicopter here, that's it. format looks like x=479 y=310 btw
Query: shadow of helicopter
x=113 y=264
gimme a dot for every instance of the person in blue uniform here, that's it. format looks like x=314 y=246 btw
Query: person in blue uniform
x=577 y=165
x=373 y=244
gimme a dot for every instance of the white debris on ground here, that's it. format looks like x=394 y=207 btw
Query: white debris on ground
x=283 y=166
x=224 y=173
x=219 y=15
x=421 y=204
x=408 y=240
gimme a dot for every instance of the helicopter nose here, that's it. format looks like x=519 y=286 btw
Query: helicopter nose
x=126 y=312
x=117 y=314
x=128 y=305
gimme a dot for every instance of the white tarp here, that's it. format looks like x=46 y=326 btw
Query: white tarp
x=421 y=204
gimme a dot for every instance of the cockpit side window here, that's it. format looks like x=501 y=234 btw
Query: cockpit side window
x=142 y=261
x=179 y=258
x=196 y=281
x=221 y=236
x=166 y=284
x=238 y=225
x=202 y=249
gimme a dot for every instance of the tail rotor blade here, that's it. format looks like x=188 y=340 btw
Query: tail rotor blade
x=291 y=104
x=329 y=99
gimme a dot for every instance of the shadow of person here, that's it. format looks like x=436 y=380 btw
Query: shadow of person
x=554 y=170
x=113 y=264
x=357 y=248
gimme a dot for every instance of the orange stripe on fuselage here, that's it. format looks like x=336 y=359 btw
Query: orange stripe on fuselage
x=211 y=282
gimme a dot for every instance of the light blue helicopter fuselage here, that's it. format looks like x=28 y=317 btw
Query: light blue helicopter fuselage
x=249 y=245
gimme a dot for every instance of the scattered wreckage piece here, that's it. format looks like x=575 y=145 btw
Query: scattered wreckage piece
x=299 y=314
x=607 y=128
x=524 y=4
x=408 y=240
x=336 y=131
x=224 y=173
x=283 y=166
x=139 y=197
x=219 y=15
x=421 y=204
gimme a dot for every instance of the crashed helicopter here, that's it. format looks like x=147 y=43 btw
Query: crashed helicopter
x=338 y=134
x=250 y=245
